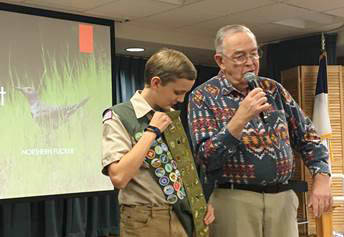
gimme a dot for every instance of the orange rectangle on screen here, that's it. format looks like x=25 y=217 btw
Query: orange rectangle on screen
x=86 y=38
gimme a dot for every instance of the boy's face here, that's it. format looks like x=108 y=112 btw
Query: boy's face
x=173 y=92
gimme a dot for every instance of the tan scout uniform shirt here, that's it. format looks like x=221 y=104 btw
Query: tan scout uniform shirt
x=142 y=189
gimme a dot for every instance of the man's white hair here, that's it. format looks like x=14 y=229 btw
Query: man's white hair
x=229 y=30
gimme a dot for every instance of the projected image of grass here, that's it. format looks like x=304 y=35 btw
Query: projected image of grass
x=62 y=144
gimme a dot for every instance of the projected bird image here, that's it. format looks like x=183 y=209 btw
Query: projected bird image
x=49 y=116
x=56 y=80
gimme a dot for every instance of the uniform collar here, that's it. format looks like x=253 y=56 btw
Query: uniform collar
x=140 y=105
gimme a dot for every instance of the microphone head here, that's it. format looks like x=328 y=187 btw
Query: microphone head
x=250 y=76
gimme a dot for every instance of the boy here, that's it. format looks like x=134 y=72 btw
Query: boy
x=143 y=164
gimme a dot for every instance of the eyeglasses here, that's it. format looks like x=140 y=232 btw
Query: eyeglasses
x=242 y=58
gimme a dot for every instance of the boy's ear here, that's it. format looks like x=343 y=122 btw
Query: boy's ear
x=155 y=82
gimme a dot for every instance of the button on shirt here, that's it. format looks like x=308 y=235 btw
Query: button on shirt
x=263 y=155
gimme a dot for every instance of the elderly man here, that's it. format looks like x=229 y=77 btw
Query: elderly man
x=247 y=155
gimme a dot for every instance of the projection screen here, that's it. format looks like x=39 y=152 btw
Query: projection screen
x=55 y=82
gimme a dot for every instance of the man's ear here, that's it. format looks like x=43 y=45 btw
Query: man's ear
x=155 y=82
x=219 y=60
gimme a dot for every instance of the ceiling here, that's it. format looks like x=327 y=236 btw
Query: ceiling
x=191 y=25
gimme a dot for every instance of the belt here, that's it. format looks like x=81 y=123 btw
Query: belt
x=297 y=186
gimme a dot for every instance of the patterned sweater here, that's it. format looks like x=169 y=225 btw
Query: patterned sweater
x=264 y=153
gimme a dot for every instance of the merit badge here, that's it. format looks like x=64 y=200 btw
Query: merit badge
x=177 y=173
x=171 y=127
x=158 y=150
x=174 y=164
x=164 y=147
x=180 y=194
x=168 y=190
x=164 y=158
x=172 y=198
x=156 y=163
x=169 y=155
x=163 y=181
x=159 y=172
x=173 y=177
x=172 y=144
x=176 y=186
x=150 y=154
x=168 y=168
x=138 y=135
x=196 y=214
x=182 y=190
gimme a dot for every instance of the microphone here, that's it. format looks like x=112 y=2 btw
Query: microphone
x=251 y=79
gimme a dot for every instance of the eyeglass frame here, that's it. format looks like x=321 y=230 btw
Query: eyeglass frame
x=246 y=56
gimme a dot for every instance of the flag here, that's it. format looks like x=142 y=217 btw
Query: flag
x=321 y=118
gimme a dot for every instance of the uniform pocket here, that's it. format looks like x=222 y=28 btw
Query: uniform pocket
x=134 y=218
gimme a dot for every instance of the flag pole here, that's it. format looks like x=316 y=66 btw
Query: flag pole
x=324 y=224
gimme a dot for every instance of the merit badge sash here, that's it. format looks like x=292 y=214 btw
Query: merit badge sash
x=180 y=148
x=164 y=168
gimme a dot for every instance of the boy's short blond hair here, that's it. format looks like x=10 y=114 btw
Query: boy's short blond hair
x=169 y=65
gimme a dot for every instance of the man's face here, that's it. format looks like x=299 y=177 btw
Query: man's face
x=240 y=55
x=173 y=92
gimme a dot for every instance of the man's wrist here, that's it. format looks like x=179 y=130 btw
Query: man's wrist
x=235 y=127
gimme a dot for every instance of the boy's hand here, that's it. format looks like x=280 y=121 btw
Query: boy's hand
x=209 y=216
x=160 y=120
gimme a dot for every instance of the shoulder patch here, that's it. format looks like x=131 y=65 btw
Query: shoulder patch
x=107 y=115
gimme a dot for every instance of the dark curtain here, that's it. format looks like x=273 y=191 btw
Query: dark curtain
x=129 y=74
x=290 y=53
x=92 y=216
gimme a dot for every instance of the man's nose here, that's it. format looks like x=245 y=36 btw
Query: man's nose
x=249 y=60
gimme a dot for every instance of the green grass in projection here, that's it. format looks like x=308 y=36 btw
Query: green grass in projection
x=64 y=140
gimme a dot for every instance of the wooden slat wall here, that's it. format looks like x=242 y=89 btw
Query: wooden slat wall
x=291 y=80
x=305 y=77
x=335 y=94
